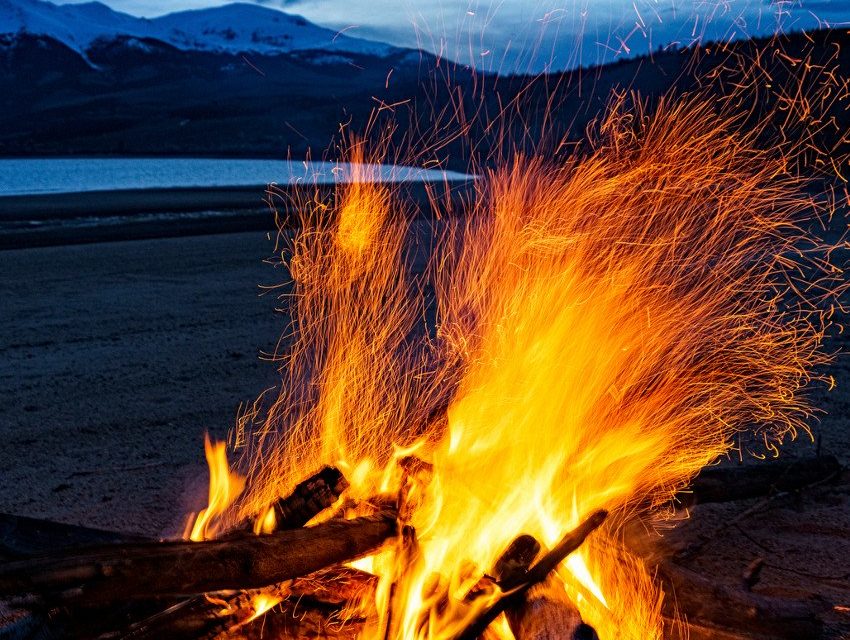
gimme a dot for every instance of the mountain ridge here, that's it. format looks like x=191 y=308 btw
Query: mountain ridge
x=238 y=27
x=143 y=97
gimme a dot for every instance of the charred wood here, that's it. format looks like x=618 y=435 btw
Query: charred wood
x=184 y=620
x=187 y=618
x=536 y=575
x=309 y=498
x=706 y=604
x=298 y=621
x=545 y=612
x=329 y=591
x=512 y=566
x=21 y=536
x=335 y=586
x=143 y=570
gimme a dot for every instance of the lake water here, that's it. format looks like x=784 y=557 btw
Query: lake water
x=31 y=176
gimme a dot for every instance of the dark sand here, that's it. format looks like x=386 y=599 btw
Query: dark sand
x=28 y=221
x=128 y=201
x=117 y=357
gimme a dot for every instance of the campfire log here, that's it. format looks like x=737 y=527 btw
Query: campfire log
x=709 y=605
x=322 y=605
x=334 y=586
x=309 y=498
x=727 y=484
x=537 y=575
x=326 y=592
x=298 y=621
x=193 y=617
x=21 y=536
x=142 y=570
x=545 y=612
x=512 y=566
x=187 y=619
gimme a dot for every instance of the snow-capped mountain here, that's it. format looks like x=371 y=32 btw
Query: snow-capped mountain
x=232 y=28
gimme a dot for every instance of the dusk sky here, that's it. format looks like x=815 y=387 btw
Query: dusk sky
x=522 y=35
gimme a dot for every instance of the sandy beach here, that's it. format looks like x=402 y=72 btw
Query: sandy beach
x=117 y=357
x=43 y=220
x=28 y=221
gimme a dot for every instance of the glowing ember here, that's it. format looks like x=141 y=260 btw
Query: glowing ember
x=605 y=325
x=261 y=603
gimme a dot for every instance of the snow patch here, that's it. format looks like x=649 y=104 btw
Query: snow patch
x=232 y=28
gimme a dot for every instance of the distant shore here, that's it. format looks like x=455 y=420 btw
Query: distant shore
x=130 y=214
x=40 y=220
x=129 y=201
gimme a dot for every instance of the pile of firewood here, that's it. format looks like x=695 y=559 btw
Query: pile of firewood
x=58 y=581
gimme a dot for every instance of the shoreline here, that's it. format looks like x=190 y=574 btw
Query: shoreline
x=42 y=220
x=118 y=357
x=44 y=206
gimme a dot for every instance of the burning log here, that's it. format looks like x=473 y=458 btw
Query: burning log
x=309 y=498
x=546 y=612
x=336 y=586
x=515 y=598
x=322 y=605
x=512 y=566
x=325 y=594
x=196 y=616
x=727 y=484
x=142 y=570
x=298 y=621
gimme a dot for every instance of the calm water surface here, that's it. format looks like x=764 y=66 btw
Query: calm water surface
x=66 y=175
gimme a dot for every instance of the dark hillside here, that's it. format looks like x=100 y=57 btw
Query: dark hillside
x=145 y=97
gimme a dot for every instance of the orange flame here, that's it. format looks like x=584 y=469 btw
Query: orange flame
x=225 y=487
x=261 y=603
x=600 y=329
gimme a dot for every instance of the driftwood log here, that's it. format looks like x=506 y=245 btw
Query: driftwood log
x=142 y=570
x=727 y=484
x=21 y=536
x=718 y=609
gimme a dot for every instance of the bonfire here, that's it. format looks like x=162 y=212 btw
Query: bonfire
x=600 y=330
x=480 y=444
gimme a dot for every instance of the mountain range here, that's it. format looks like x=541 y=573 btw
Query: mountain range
x=242 y=80
x=239 y=79
x=232 y=28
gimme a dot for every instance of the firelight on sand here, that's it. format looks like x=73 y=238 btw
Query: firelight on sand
x=605 y=326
